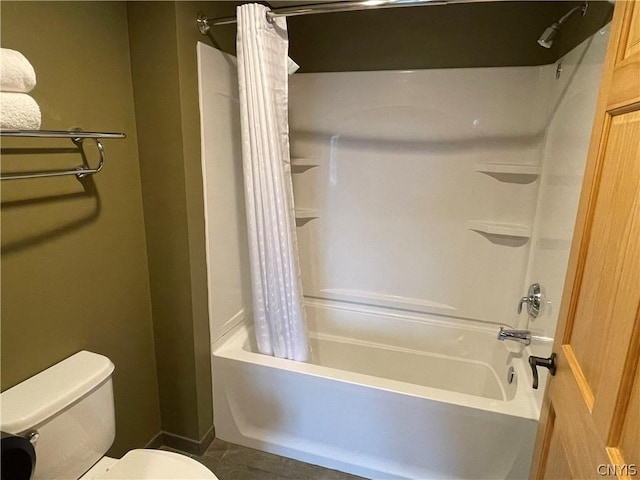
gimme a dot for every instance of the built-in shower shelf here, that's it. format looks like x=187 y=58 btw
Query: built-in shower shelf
x=305 y=215
x=508 y=168
x=500 y=229
x=301 y=165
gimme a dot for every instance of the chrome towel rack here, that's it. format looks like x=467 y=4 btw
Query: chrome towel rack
x=77 y=136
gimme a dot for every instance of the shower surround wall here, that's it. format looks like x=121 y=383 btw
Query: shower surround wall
x=424 y=199
x=571 y=112
x=229 y=278
x=438 y=191
x=425 y=189
x=444 y=191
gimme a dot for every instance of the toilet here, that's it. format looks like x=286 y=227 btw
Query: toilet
x=67 y=413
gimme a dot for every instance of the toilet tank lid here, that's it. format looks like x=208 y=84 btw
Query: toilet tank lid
x=30 y=403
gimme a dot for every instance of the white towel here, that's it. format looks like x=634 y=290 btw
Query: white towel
x=16 y=73
x=19 y=111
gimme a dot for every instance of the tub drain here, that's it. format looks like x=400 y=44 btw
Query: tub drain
x=511 y=375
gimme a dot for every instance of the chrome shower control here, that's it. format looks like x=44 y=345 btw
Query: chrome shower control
x=533 y=301
x=520 y=336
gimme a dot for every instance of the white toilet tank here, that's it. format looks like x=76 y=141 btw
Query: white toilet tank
x=70 y=405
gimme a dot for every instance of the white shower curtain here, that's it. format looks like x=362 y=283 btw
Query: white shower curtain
x=279 y=319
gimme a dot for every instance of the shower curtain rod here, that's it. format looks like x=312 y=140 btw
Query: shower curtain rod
x=205 y=23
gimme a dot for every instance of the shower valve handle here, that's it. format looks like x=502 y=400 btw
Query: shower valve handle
x=533 y=300
x=523 y=300
x=535 y=362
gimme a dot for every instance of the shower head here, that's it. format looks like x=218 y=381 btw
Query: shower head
x=546 y=39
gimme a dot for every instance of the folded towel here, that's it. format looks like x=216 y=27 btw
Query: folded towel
x=16 y=73
x=19 y=111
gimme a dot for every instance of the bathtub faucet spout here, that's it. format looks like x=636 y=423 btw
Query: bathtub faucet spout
x=521 y=336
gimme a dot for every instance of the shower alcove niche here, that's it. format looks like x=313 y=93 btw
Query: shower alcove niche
x=437 y=156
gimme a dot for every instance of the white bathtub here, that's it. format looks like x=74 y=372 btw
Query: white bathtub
x=384 y=396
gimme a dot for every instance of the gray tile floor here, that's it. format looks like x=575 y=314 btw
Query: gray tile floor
x=233 y=462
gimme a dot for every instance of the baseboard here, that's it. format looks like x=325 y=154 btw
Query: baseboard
x=155 y=442
x=185 y=444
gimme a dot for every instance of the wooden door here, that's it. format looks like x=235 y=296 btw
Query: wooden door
x=590 y=423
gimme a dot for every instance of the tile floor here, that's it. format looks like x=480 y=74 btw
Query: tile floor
x=233 y=462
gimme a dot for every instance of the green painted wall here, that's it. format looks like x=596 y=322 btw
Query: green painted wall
x=163 y=52
x=74 y=259
x=187 y=37
x=483 y=34
x=480 y=34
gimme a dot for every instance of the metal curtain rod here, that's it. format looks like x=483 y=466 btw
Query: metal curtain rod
x=205 y=23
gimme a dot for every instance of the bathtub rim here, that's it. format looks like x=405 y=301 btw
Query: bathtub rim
x=523 y=405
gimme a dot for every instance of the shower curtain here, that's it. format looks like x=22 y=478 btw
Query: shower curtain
x=279 y=319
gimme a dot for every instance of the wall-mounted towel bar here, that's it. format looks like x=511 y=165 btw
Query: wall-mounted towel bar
x=76 y=136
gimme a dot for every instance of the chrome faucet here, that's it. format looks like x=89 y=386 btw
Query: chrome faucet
x=521 y=336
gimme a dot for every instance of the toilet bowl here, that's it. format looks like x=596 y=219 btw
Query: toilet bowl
x=67 y=412
x=147 y=465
